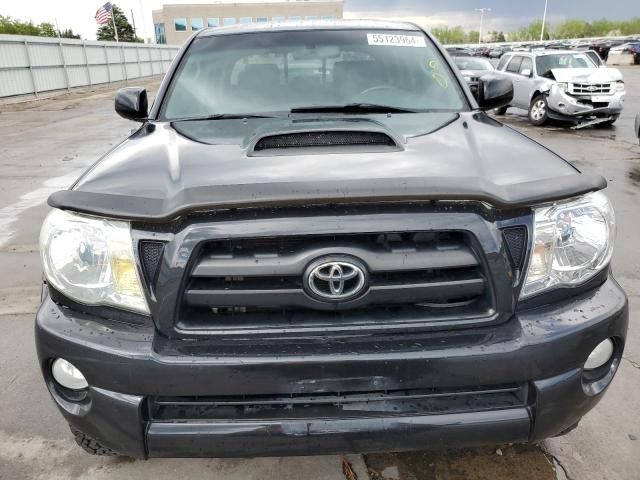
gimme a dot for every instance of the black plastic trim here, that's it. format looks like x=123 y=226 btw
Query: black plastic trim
x=102 y=311
x=266 y=195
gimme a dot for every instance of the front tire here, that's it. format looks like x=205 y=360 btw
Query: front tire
x=91 y=445
x=538 y=111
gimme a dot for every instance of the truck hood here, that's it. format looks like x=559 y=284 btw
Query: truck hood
x=167 y=170
x=587 y=75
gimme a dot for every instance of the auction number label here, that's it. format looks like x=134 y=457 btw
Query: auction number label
x=396 y=40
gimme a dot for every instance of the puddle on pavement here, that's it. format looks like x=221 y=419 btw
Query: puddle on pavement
x=520 y=462
x=10 y=213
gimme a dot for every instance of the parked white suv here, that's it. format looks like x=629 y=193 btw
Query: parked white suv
x=563 y=85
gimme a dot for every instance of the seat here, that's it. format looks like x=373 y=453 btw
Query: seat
x=259 y=76
x=352 y=77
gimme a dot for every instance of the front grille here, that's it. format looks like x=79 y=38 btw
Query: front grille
x=591 y=88
x=258 y=283
x=323 y=139
x=432 y=401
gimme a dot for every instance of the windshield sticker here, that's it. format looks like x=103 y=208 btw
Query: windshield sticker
x=436 y=75
x=396 y=40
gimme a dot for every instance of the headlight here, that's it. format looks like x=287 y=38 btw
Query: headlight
x=620 y=86
x=572 y=242
x=90 y=260
x=563 y=86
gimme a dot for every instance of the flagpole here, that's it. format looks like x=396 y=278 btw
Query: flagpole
x=113 y=19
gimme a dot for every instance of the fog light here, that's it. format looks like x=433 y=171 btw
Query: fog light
x=600 y=355
x=67 y=375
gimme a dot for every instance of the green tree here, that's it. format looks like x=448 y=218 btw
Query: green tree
x=17 y=27
x=68 y=33
x=604 y=27
x=125 y=30
x=449 y=35
x=573 y=28
x=472 y=36
x=47 y=30
x=630 y=27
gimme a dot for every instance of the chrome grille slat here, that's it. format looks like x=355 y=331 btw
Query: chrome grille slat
x=592 y=88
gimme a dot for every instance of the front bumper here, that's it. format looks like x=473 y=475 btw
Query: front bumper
x=567 y=107
x=128 y=367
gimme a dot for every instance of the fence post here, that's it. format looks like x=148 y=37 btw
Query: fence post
x=150 y=51
x=138 y=61
x=86 y=63
x=123 y=63
x=64 y=64
x=106 y=62
x=33 y=78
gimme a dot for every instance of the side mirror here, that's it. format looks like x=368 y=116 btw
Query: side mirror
x=494 y=91
x=526 y=72
x=132 y=104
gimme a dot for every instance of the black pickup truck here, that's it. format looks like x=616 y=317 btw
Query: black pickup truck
x=318 y=241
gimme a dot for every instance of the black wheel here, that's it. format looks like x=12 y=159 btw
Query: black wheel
x=90 y=445
x=500 y=110
x=608 y=123
x=538 y=110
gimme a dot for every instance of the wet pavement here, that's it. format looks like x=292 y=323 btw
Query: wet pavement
x=45 y=145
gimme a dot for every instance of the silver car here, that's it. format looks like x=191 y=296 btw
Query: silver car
x=472 y=68
x=563 y=85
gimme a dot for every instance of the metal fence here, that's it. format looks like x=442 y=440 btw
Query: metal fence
x=33 y=65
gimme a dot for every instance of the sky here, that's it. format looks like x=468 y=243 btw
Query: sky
x=505 y=15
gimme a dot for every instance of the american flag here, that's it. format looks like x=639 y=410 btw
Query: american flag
x=103 y=15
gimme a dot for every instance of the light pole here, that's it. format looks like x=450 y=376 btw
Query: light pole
x=544 y=20
x=481 y=10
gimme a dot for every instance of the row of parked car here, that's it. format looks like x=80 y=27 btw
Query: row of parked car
x=569 y=86
x=602 y=47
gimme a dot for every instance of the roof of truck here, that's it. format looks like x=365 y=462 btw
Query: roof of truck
x=308 y=25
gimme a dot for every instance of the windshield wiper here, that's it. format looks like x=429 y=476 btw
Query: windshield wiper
x=221 y=116
x=352 y=108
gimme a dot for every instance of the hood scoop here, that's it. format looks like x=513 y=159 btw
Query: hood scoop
x=322 y=141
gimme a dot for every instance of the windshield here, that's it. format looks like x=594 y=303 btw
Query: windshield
x=563 y=60
x=470 y=63
x=269 y=72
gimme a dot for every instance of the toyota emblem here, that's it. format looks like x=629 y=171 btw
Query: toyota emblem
x=335 y=279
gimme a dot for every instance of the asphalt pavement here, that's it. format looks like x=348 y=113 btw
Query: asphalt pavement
x=46 y=144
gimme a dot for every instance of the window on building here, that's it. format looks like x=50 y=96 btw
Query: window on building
x=229 y=21
x=278 y=19
x=181 y=24
x=196 y=24
x=328 y=17
x=262 y=19
x=310 y=17
x=160 y=36
x=295 y=18
x=213 y=22
x=245 y=20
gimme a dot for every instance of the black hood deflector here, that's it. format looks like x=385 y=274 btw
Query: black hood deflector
x=305 y=193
